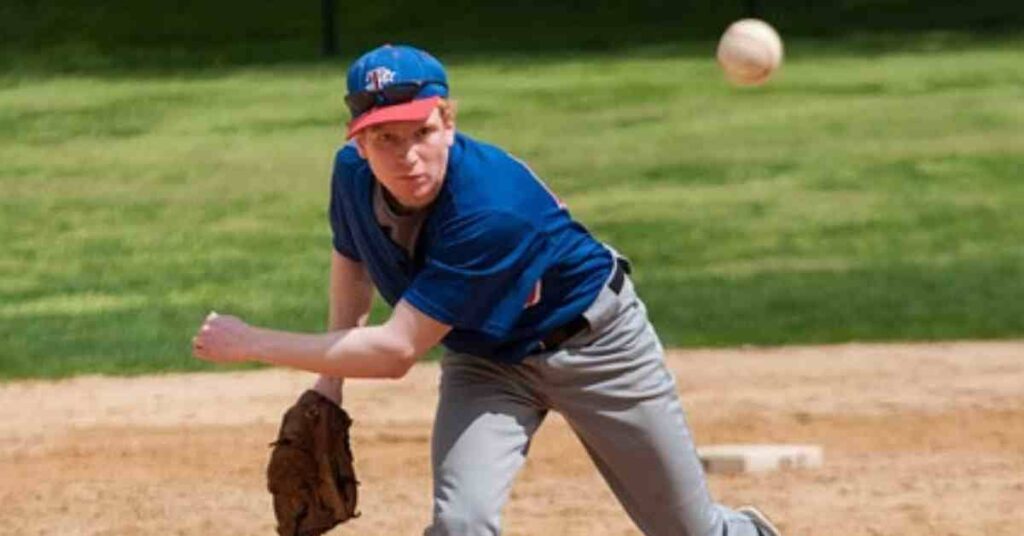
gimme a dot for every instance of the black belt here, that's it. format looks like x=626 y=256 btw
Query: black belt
x=573 y=327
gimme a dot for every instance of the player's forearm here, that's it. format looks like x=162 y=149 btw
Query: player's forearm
x=366 y=352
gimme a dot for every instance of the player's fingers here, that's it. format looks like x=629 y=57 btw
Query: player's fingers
x=201 y=348
x=205 y=354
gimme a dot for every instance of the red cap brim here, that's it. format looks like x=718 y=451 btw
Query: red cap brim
x=417 y=110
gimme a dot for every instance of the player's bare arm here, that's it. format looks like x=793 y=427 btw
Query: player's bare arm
x=385 y=351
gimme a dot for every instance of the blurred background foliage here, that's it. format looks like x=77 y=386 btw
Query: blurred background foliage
x=73 y=35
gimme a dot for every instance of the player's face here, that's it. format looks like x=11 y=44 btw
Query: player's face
x=409 y=158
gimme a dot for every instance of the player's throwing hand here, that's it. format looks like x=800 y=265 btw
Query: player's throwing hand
x=222 y=339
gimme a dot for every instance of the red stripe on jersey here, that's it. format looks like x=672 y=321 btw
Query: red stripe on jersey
x=534 y=297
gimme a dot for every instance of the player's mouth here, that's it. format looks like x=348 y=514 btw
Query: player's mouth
x=415 y=177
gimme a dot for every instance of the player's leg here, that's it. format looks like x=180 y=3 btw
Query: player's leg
x=660 y=485
x=614 y=389
x=485 y=420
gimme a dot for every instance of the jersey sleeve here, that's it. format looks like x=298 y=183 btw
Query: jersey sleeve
x=336 y=213
x=480 y=274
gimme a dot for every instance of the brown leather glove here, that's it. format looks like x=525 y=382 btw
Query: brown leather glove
x=311 y=474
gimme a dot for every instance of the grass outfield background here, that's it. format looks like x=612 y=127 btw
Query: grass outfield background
x=872 y=192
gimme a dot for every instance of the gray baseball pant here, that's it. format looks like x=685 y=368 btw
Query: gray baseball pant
x=613 y=388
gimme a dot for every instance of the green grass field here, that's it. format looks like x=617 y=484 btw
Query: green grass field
x=872 y=192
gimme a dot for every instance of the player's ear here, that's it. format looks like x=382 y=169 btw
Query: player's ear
x=449 y=134
x=447 y=109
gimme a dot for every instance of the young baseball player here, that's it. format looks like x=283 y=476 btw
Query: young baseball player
x=474 y=252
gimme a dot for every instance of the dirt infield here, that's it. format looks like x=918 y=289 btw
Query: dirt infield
x=919 y=439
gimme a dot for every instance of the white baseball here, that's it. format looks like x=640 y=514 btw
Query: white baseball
x=749 y=52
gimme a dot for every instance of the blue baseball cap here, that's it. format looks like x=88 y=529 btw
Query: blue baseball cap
x=394 y=83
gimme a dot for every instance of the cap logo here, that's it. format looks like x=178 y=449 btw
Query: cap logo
x=379 y=77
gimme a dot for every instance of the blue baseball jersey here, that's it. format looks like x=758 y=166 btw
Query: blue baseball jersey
x=499 y=258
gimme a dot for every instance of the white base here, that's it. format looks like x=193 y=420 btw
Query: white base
x=731 y=459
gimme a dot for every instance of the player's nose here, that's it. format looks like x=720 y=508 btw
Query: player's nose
x=411 y=157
